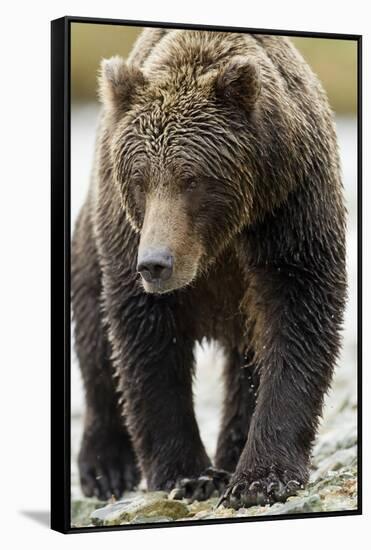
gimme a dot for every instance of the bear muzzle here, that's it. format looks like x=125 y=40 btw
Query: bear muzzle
x=155 y=265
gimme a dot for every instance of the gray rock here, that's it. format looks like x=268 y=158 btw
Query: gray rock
x=156 y=519
x=147 y=505
x=81 y=510
x=295 y=505
x=208 y=511
x=343 y=437
x=340 y=459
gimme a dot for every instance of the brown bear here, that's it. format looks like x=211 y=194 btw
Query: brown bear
x=215 y=212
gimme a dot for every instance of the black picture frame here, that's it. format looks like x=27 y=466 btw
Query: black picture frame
x=60 y=270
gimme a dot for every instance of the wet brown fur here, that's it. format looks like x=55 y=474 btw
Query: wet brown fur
x=236 y=131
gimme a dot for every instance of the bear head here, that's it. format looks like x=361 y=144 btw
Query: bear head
x=182 y=163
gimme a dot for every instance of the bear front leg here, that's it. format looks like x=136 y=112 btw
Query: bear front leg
x=154 y=364
x=296 y=341
x=241 y=383
x=107 y=463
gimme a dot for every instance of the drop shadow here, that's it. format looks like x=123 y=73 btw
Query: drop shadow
x=39 y=516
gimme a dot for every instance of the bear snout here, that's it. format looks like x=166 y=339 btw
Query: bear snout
x=155 y=265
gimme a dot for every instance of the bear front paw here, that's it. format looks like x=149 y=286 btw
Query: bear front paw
x=211 y=483
x=107 y=466
x=245 y=491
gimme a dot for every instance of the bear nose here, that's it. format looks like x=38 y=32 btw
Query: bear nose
x=155 y=265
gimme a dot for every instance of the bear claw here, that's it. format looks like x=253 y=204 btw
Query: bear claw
x=242 y=494
x=211 y=482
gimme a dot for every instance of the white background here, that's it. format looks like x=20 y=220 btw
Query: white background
x=25 y=260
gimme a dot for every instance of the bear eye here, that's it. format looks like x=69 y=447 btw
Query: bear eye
x=137 y=183
x=137 y=180
x=190 y=184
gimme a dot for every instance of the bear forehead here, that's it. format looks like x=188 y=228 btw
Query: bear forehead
x=180 y=121
x=175 y=120
x=175 y=125
x=166 y=106
x=165 y=141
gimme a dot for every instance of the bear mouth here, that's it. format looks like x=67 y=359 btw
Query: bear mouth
x=163 y=287
x=157 y=287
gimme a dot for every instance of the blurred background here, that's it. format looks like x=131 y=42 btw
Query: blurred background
x=335 y=63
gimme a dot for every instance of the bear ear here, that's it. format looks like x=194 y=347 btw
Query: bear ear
x=118 y=83
x=239 y=81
